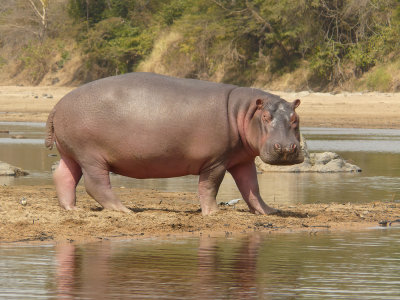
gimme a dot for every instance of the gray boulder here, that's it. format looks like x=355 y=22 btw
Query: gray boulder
x=9 y=170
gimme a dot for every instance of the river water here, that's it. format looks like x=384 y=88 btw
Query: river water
x=363 y=265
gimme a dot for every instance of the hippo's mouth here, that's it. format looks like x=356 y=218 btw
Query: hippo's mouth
x=282 y=160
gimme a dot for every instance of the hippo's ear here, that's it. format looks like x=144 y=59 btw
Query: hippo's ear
x=296 y=103
x=260 y=104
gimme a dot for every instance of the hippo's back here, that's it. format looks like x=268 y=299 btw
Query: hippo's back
x=145 y=87
x=146 y=118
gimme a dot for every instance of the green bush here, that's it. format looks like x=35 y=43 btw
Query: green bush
x=115 y=46
x=379 y=80
x=35 y=58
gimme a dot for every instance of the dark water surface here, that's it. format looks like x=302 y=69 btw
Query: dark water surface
x=376 y=151
x=362 y=265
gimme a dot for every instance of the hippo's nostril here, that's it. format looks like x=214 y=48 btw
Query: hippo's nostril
x=278 y=148
x=293 y=148
x=290 y=149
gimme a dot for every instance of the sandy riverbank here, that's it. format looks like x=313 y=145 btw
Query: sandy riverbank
x=161 y=214
x=367 y=110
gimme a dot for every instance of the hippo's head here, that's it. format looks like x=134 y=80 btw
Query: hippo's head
x=279 y=132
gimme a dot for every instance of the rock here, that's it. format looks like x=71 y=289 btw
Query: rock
x=336 y=163
x=326 y=162
x=55 y=165
x=9 y=170
x=47 y=96
x=324 y=158
x=23 y=201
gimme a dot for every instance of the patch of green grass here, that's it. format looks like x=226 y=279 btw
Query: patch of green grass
x=2 y=62
x=379 y=80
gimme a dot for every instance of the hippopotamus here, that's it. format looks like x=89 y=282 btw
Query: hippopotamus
x=145 y=125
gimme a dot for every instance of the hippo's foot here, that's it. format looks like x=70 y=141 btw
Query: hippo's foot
x=98 y=186
x=120 y=208
x=209 y=211
x=72 y=208
x=208 y=206
x=209 y=182
x=264 y=209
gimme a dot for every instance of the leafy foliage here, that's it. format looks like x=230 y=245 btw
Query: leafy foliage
x=235 y=41
x=115 y=46
x=34 y=59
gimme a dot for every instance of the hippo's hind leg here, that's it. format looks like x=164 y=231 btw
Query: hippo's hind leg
x=245 y=176
x=66 y=178
x=209 y=182
x=98 y=186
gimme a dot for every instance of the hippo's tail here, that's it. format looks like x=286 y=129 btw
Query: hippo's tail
x=50 y=137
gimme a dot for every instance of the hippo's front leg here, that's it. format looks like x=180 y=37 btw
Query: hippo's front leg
x=209 y=182
x=245 y=176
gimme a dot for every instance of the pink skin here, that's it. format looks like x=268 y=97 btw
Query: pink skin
x=66 y=178
x=150 y=126
x=245 y=176
x=97 y=184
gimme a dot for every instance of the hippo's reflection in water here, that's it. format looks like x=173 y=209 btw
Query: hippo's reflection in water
x=249 y=267
x=243 y=267
x=83 y=272
x=100 y=272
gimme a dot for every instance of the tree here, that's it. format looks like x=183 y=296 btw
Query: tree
x=40 y=8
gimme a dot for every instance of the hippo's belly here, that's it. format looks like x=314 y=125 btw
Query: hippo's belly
x=169 y=156
x=156 y=168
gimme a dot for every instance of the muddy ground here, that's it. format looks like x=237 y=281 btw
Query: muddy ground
x=161 y=214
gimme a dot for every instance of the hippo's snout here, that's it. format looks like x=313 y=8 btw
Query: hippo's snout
x=290 y=149
x=279 y=154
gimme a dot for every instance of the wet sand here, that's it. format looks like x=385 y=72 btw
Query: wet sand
x=161 y=214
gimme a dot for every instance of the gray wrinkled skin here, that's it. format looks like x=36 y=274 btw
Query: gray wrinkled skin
x=144 y=125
